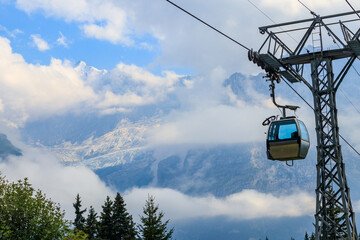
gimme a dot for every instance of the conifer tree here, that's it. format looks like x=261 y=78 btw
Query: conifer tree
x=105 y=223
x=132 y=234
x=152 y=227
x=306 y=236
x=266 y=238
x=121 y=220
x=312 y=237
x=79 y=219
x=91 y=224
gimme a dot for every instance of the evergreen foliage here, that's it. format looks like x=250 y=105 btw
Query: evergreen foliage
x=306 y=236
x=334 y=213
x=312 y=237
x=79 y=219
x=133 y=233
x=26 y=213
x=91 y=223
x=105 y=223
x=123 y=225
x=152 y=227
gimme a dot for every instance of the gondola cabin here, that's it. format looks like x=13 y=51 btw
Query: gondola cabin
x=287 y=139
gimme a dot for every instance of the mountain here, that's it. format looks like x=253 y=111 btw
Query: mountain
x=220 y=170
x=7 y=148
x=116 y=147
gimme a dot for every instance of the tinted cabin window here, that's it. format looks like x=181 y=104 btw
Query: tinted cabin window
x=304 y=132
x=283 y=130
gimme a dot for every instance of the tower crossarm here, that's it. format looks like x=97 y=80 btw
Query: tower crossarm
x=309 y=57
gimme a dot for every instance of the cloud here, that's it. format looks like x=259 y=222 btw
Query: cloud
x=40 y=43
x=10 y=33
x=245 y=205
x=62 y=41
x=58 y=182
x=212 y=125
x=33 y=91
x=357 y=206
x=291 y=8
x=350 y=126
x=29 y=90
x=213 y=114
x=98 y=19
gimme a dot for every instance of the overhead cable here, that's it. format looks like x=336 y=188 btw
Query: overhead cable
x=353 y=8
x=349 y=101
x=261 y=11
x=312 y=12
x=208 y=25
x=272 y=20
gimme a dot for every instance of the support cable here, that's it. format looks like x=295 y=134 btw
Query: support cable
x=312 y=12
x=356 y=109
x=272 y=20
x=192 y=15
x=353 y=8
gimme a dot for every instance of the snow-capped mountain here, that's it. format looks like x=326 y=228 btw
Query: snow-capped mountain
x=118 y=146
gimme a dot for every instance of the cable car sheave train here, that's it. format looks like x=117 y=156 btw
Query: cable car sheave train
x=287 y=139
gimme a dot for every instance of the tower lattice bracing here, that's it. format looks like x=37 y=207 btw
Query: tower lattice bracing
x=334 y=216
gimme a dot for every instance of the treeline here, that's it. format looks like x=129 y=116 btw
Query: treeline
x=114 y=222
x=306 y=237
x=26 y=213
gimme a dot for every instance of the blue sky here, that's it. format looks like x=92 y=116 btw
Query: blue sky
x=18 y=26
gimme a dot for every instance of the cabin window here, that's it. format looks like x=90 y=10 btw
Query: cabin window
x=283 y=130
x=304 y=132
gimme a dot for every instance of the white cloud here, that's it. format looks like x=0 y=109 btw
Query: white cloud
x=212 y=114
x=357 y=206
x=217 y=124
x=58 y=182
x=291 y=7
x=10 y=33
x=350 y=126
x=31 y=91
x=141 y=87
x=98 y=19
x=245 y=205
x=62 y=40
x=36 y=90
x=40 y=43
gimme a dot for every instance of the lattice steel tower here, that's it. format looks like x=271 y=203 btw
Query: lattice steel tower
x=334 y=215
